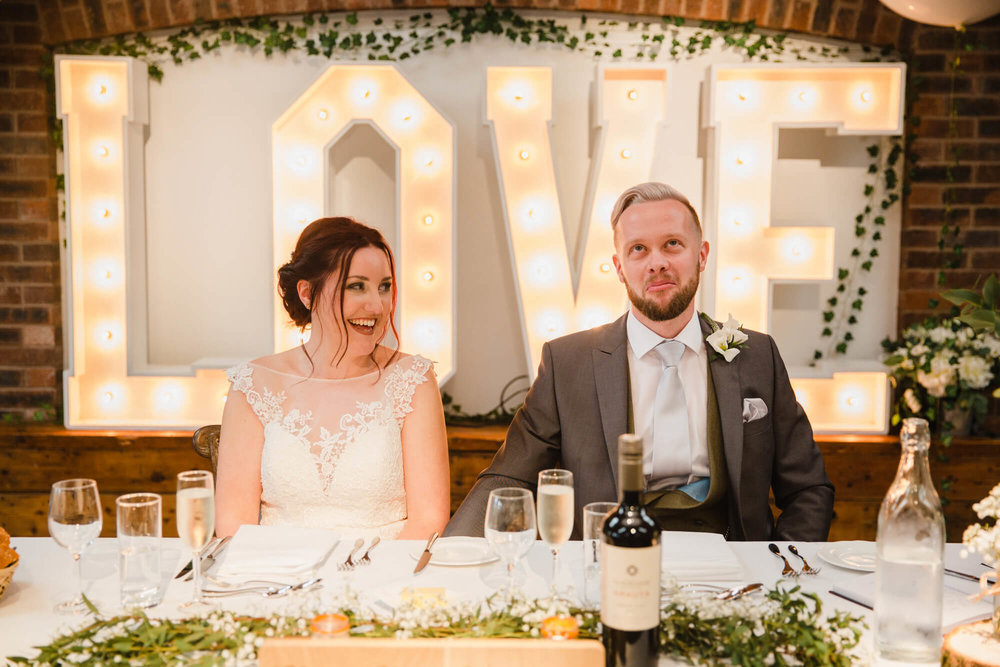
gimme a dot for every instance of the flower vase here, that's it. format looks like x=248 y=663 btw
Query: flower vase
x=961 y=421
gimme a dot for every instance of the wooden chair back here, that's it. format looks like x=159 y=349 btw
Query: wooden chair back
x=206 y=442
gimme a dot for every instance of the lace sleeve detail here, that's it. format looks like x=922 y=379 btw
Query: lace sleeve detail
x=266 y=406
x=402 y=382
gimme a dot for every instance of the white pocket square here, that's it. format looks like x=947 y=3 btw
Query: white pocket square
x=753 y=409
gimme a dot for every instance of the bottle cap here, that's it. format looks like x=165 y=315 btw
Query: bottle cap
x=630 y=446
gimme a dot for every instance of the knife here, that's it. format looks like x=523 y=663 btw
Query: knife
x=969 y=577
x=850 y=598
x=737 y=592
x=425 y=557
x=209 y=559
x=214 y=543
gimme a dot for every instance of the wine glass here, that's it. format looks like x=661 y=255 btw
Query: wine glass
x=195 y=525
x=555 y=514
x=74 y=522
x=510 y=529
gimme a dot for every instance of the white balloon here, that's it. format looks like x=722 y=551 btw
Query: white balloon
x=951 y=13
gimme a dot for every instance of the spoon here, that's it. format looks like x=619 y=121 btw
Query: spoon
x=788 y=570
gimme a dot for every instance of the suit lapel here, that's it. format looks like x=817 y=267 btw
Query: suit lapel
x=726 y=377
x=611 y=379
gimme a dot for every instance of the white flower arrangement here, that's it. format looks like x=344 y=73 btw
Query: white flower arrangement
x=943 y=365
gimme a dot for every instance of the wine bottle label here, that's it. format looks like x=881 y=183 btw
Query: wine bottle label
x=630 y=587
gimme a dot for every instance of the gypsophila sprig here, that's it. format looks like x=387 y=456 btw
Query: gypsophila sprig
x=780 y=627
x=984 y=538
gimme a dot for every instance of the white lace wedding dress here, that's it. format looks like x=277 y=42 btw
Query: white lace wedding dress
x=332 y=453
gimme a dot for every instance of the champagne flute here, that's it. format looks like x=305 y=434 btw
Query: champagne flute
x=510 y=529
x=74 y=522
x=555 y=514
x=195 y=525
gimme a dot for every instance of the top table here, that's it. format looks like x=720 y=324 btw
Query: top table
x=45 y=577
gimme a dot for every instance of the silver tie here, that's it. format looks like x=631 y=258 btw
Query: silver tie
x=671 y=442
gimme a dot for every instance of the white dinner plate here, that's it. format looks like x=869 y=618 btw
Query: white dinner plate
x=459 y=551
x=858 y=556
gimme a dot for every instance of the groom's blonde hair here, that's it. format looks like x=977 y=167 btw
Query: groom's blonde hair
x=649 y=192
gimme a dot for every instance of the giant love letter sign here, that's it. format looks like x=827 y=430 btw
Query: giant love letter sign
x=103 y=104
x=519 y=108
x=425 y=178
x=747 y=105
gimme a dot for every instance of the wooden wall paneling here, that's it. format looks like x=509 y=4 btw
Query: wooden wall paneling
x=32 y=457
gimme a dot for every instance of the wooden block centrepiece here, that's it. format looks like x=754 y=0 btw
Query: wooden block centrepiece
x=972 y=645
x=423 y=652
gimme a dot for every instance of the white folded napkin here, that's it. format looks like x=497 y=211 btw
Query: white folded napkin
x=956 y=607
x=701 y=557
x=273 y=551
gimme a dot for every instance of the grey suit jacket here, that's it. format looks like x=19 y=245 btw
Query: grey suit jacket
x=577 y=407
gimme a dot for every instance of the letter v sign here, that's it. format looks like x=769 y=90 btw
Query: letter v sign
x=630 y=104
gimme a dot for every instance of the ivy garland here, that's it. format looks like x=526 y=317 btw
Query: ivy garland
x=847 y=302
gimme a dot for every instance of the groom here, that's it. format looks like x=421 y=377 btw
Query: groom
x=721 y=430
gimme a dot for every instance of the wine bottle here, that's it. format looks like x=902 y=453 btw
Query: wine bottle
x=630 y=569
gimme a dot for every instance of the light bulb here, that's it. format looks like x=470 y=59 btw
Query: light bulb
x=866 y=96
x=108 y=397
x=323 y=114
x=103 y=151
x=626 y=154
x=633 y=94
x=524 y=155
x=427 y=276
x=428 y=220
x=605 y=267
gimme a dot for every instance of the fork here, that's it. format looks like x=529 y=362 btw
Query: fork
x=806 y=567
x=788 y=570
x=349 y=564
x=365 y=560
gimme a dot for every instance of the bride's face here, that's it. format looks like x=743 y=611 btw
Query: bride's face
x=367 y=302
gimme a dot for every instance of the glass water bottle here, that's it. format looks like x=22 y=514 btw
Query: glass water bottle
x=910 y=544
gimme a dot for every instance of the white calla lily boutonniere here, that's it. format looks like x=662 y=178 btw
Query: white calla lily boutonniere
x=728 y=339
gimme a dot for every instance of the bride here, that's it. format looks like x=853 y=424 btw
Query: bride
x=340 y=432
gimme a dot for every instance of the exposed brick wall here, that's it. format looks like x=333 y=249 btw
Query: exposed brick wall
x=31 y=353
x=856 y=20
x=974 y=192
x=30 y=336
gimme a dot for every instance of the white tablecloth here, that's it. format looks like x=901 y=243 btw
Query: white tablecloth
x=45 y=577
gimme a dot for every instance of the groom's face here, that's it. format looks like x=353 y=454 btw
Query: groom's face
x=659 y=257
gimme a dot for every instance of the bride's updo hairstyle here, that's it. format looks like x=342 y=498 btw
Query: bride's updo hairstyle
x=326 y=248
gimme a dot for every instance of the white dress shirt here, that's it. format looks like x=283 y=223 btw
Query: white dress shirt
x=645 y=369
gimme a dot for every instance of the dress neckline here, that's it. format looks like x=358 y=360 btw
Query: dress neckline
x=317 y=379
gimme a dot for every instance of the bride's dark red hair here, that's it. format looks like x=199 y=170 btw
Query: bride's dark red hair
x=326 y=248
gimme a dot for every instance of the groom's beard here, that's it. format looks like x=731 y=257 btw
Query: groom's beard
x=668 y=311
